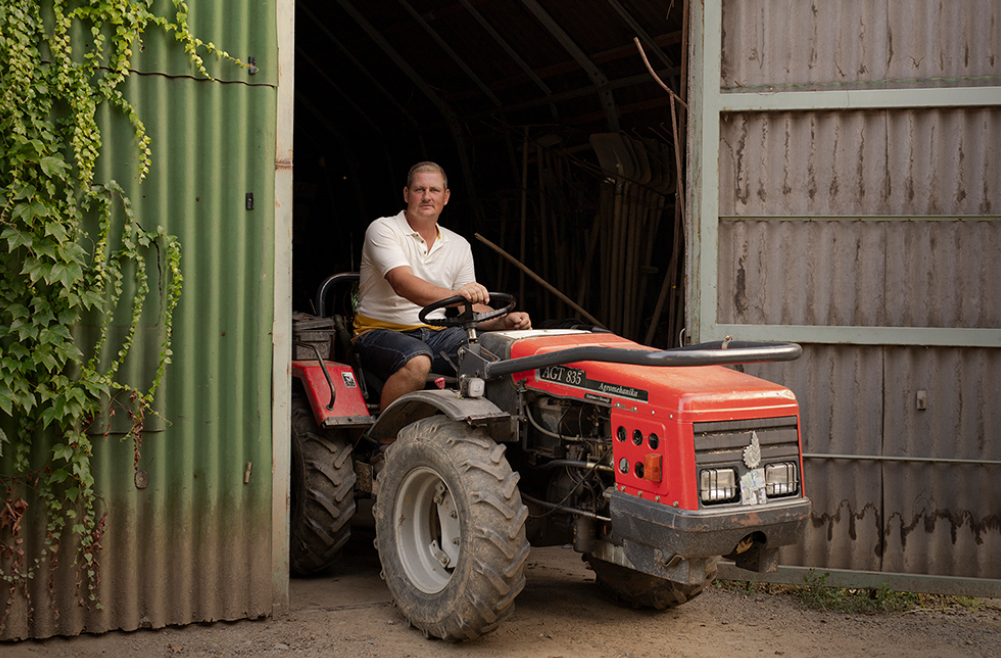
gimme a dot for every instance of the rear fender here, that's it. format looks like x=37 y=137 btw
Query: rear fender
x=348 y=408
x=412 y=407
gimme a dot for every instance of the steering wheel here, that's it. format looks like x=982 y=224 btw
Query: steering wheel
x=467 y=318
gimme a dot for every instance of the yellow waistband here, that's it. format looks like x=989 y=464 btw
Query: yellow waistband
x=363 y=324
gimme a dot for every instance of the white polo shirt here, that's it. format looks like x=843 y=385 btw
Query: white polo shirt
x=390 y=242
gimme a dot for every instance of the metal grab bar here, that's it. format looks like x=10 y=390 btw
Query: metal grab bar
x=323 y=367
x=325 y=287
x=720 y=353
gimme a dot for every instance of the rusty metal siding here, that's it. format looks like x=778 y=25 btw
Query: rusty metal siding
x=782 y=272
x=918 y=518
x=943 y=519
x=196 y=544
x=860 y=273
x=857 y=44
x=861 y=163
x=944 y=274
x=839 y=389
x=844 y=217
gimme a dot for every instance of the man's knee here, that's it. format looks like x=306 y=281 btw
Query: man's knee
x=409 y=378
x=417 y=368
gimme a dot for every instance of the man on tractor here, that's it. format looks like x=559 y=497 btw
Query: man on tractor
x=408 y=262
x=651 y=464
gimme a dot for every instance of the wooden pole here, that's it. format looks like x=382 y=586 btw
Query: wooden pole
x=539 y=279
x=524 y=211
x=540 y=156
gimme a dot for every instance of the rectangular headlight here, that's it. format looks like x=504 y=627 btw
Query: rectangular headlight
x=717 y=485
x=781 y=479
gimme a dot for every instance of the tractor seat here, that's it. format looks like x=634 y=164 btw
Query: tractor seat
x=342 y=312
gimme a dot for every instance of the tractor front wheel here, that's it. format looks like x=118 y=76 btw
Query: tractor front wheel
x=450 y=529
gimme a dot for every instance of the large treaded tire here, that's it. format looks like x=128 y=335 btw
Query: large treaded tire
x=322 y=486
x=450 y=529
x=642 y=590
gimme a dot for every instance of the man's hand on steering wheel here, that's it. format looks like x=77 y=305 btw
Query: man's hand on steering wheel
x=469 y=318
x=474 y=292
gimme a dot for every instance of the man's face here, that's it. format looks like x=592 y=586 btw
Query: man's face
x=426 y=196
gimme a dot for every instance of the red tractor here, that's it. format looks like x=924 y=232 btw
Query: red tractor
x=652 y=464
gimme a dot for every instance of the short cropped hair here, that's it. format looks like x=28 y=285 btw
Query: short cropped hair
x=426 y=167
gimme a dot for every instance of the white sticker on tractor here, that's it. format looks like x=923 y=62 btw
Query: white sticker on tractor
x=752 y=487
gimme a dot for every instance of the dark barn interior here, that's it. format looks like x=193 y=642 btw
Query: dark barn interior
x=558 y=141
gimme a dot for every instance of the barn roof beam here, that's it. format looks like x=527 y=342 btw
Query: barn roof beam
x=633 y=80
x=512 y=53
x=451 y=53
x=458 y=135
x=640 y=32
x=597 y=77
x=345 y=97
x=603 y=57
x=361 y=67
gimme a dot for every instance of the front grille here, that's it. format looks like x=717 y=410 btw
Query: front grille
x=720 y=445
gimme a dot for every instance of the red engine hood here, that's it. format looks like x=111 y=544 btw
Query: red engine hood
x=688 y=392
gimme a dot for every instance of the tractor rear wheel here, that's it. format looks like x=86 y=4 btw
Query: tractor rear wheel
x=450 y=529
x=642 y=590
x=322 y=488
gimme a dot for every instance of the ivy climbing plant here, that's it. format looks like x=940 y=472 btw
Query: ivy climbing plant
x=70 y=246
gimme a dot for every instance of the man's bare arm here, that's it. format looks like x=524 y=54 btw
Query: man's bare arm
x=515 y=320
x=408 y=285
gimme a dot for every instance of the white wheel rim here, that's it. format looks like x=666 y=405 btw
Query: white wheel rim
x=427 y=530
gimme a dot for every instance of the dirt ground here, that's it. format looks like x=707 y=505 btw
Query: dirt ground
x=561 y=613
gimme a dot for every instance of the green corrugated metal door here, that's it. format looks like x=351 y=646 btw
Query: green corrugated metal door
x=196 y=543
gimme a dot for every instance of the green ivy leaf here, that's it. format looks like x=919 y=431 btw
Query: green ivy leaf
x=53 y=166
x=59 y=475
x=56 y=230
x=16 y=238
x=63 y=452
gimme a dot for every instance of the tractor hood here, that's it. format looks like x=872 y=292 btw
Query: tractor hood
x=689 y=392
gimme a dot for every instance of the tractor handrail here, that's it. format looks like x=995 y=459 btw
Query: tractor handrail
x=719 y=353
x=323 y=367
x=328 y=283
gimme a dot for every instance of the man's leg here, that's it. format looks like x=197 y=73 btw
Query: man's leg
x=402 y=360
x=409 y=378
x=447 y=340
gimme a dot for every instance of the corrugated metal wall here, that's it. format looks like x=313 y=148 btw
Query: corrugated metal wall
x=859 y=44
x=847 y=223
x=196 y=543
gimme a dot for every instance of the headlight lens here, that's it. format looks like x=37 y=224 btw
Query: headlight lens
x=781 y=479
x=718 y=484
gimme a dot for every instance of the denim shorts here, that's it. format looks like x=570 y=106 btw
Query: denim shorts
x=383 y=351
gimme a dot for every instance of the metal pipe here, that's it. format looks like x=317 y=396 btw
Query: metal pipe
x=563 y=508
x=696 y=355
x=640 y=32
x=556 y=463
x=323 y=367
x=327 y=285
x=893 y=458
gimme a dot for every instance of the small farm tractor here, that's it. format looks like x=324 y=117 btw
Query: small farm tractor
x=651 y=464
